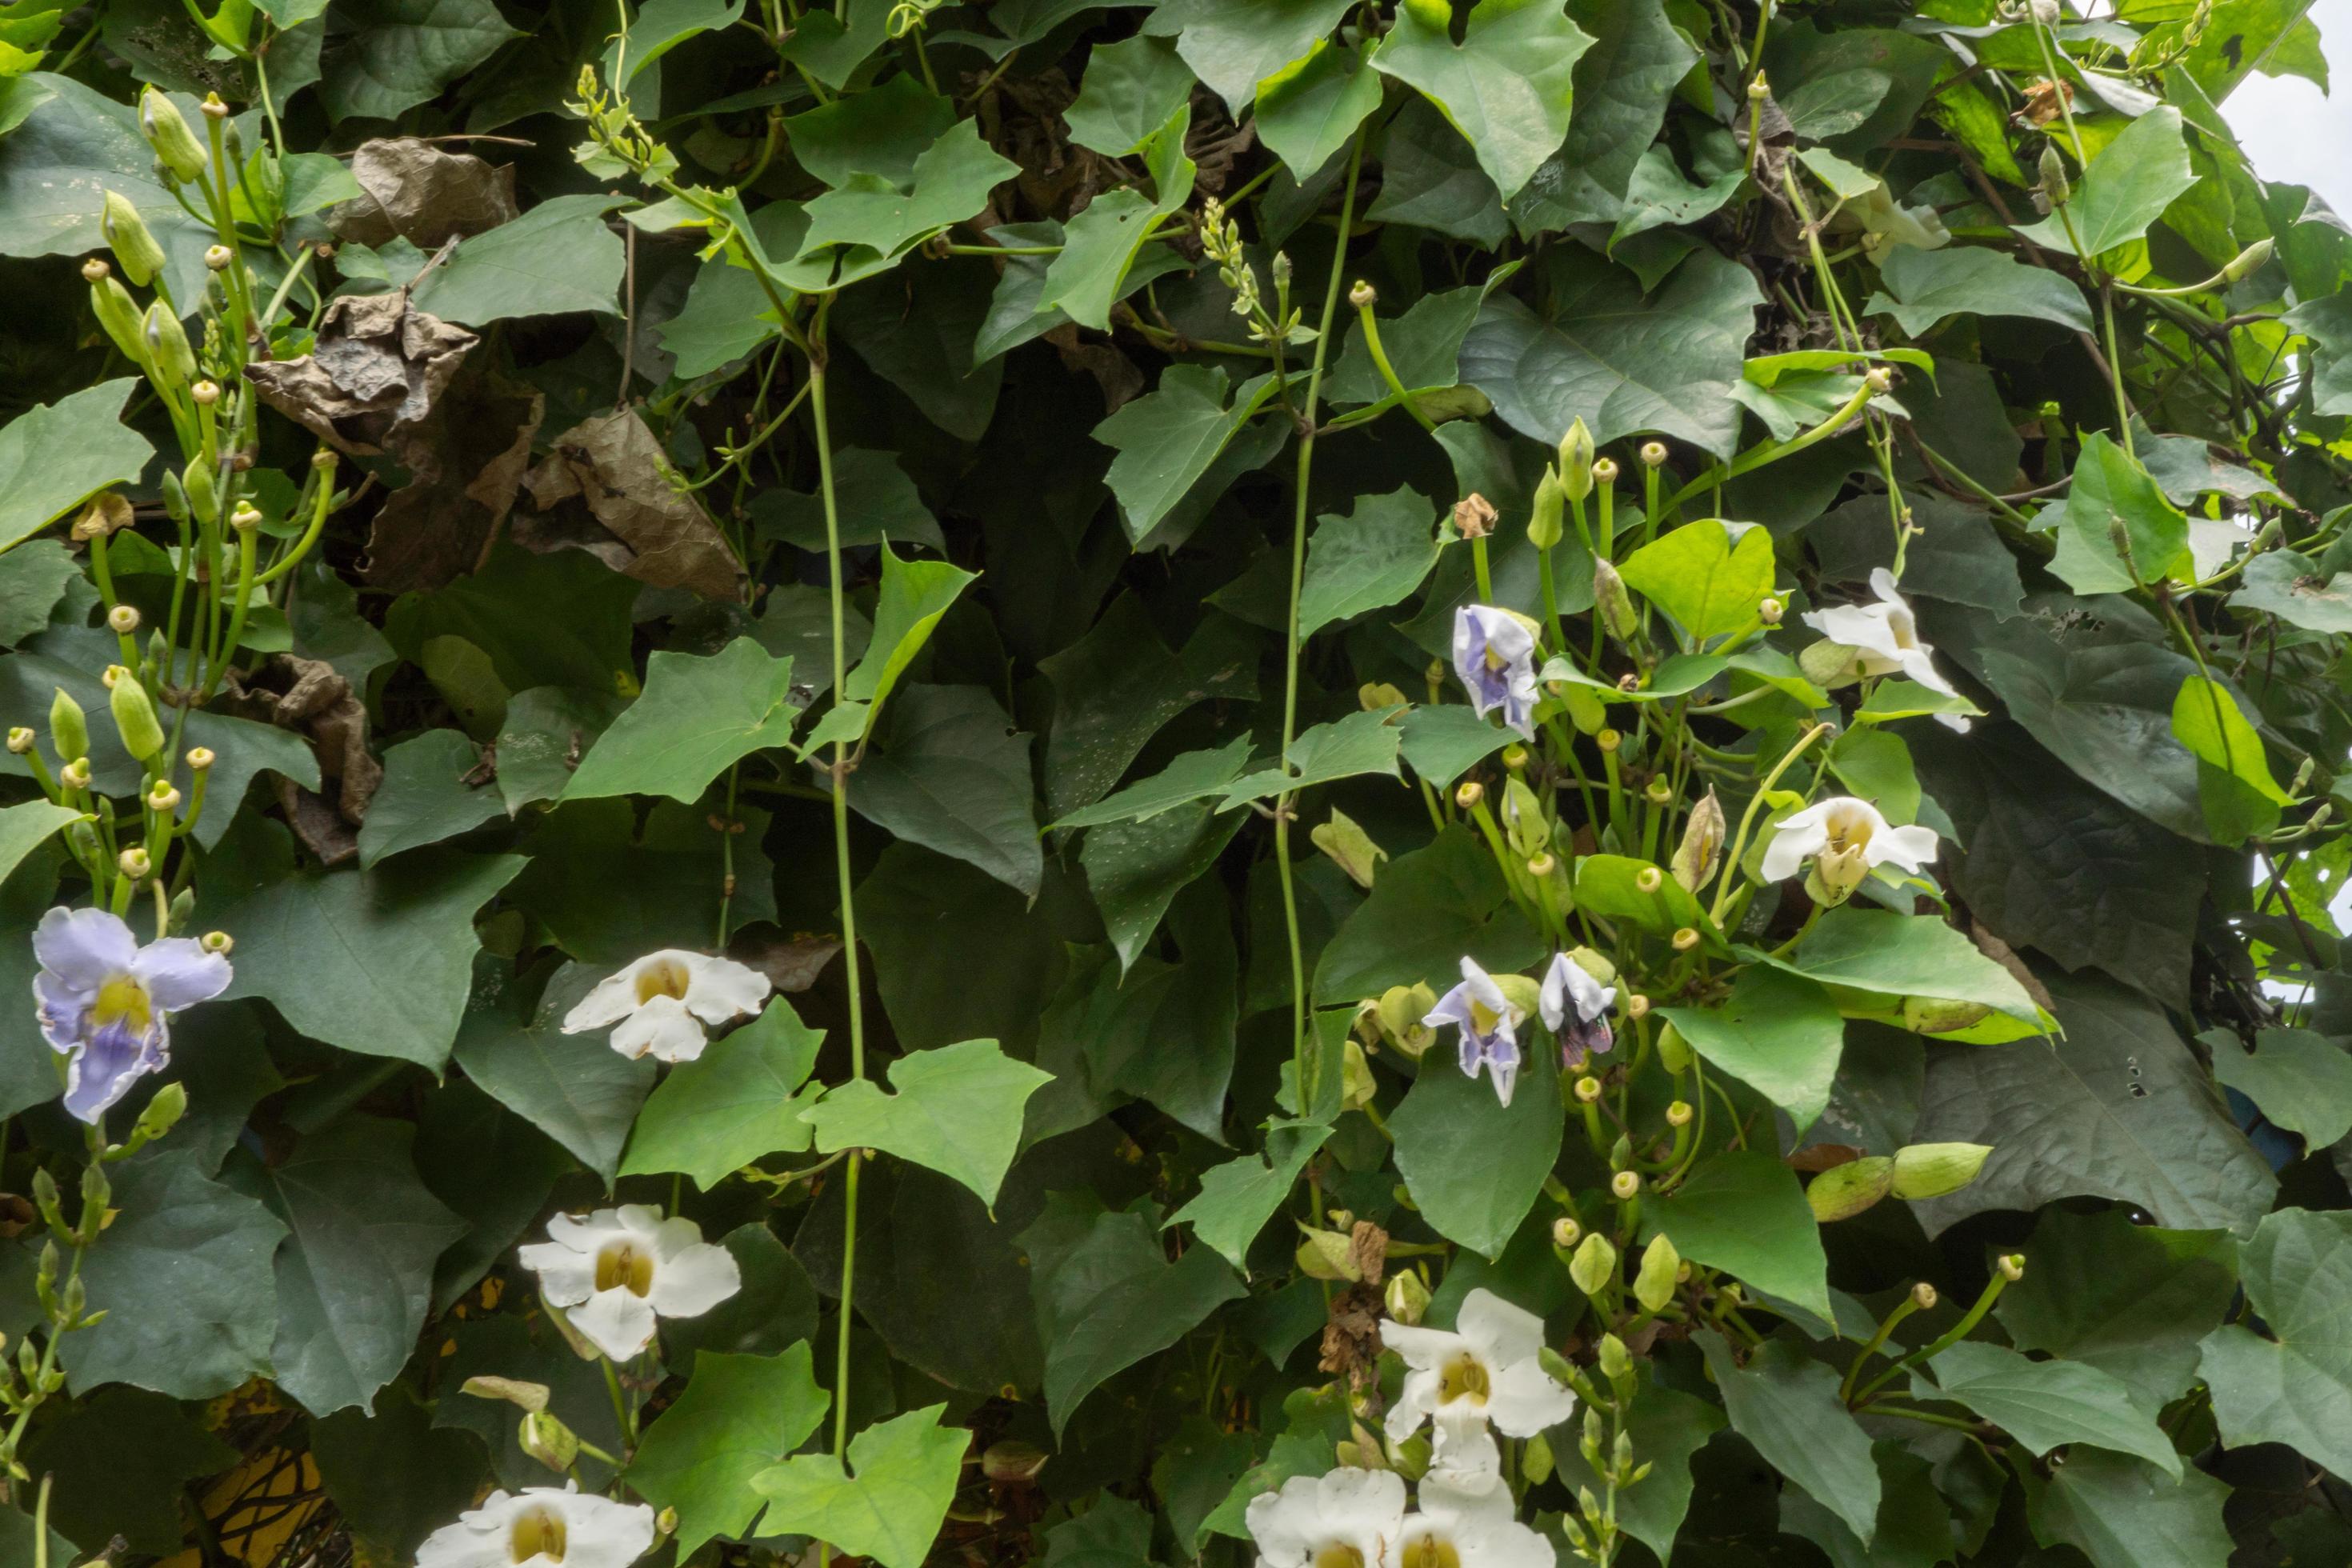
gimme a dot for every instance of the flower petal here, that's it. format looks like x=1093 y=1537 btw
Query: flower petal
x=1286 y=1524
x=1523 y=1400
x=108 y=1063
x=719 y=989
x=178 y=974
x=479 y=1539
x=615 y=1322
x=565 y=1278
x=1500 y=1333
x=598 y=1531
x=662 y=1029
x=1800 y=837
x=608 y=1002
x=1910 y=847
x=693 y=1280
x=1372 y=1501
x=83 y=947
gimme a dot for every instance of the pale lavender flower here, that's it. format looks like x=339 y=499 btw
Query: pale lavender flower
x=1495 y=655
x=1489 y=1022
x=1575 y=1008
x=105 y=1003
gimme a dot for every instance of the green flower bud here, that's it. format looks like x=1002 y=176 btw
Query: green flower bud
x=1522 y=993
x=69 y=728
x=175 y=145
x=1614 y=602
x=1828 y=664
x=1843 y=1191
x=203 y=497
x=134 y=717
x=1616 y=1362
x=1535 y=1461
x=1701 y=845
x=136 y=250
x=1673 y=1051
x=1594 y=1265
x=1585 y=708
x=1576 y=461
x=1654 y=1286
x=1407 y=1298
x=169 y=356
x=1350 y=846
x=162 y=1112
x=2249 y=261
x=2053 y=177
x=1935 y=1016
x=1524 y=823
x=116 y=312
x=1551 y=502
x=1933 y=1170
x=549 y=1441
x=1400 y=1012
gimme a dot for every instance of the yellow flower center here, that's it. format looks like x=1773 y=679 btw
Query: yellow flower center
x=1338 y=1555
x=1496 y=660
x=123 y=999
x=1463 y=1378
x=537 y=1532
x=664 y=977
x=1484 y=1018
x=622 y=1266
x=1430 y=1552
x=1848 y=830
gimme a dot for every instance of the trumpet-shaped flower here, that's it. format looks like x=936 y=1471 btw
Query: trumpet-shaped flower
x=1489 y=1022
x=1465 y=1527
x=1347 y=1519
x=561 y=1527
x=105 y=1003
x=1884 y=637
x=1846 y=838
x=1575 y=1008
x=1486 y=1372
x=663 y=1001
x=615 y=1271
x=1495 y=655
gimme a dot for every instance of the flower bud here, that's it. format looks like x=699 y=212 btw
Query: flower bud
x=20 y=741
x=136 y=250
x=1759 y=90
x=1933 y=1170
x=1924 y=1297
x=75 y=774
x=163 y=798
x=122 y=620
x=1604 y=471
x=1625 y=1185
x=205 y=392
x=1879 y=380
x=1522 y=993
x=199 y=758
x=116 y=312
x=1524 y=824
x=217 y=941
x=1608 y=740
x=1653 y=454
x=168 y=351
x=1658 y=791
x=212 y=108
x=2053 y=177
x=1679 y=1113
x=549 y=1441
x=134 y=863
x=1637 y=1006
x=1544 y=529
x=1770 y=611
x=2249 y=261
x=1363 y=296
x=1594 y=1264
x=1935 y=1016
x=167 y=132
x=1474 y=516
x=1614 y=602
x=1701 y=845
x=1616 y=1363
x=1843 y=1191
x=1407 y=1297
x=1576 y=461
x=134 y=717
x=203 y=492
x=162 y=1112
x=1566 y=1233
x=1400 y=1012
x=2012 y=1267
x=1468 y=793
x=1654 y=1284
x=245 y=517
x=69 y=729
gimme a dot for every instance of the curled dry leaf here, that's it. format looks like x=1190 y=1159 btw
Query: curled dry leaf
x=423 y=195
x=466 y=464
x=373 y=377
x=306 y=694
x=607 y=488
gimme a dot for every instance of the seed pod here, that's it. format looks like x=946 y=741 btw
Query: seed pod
x=1933 y=1170
x=1843 y=1191
x=1614 y=602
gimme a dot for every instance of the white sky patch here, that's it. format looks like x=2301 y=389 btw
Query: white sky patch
x=2293 y=133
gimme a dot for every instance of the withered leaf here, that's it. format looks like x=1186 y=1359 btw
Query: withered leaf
x=371 y=378
x=423 y=195
x=466 y=464
x=308 y=696
x=606 y=488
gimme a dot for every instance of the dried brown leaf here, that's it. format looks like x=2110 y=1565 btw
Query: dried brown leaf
x=607 y=488
x=373 y=377
x=423 y=195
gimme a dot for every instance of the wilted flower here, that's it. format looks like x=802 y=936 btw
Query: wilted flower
x=1885 y=639
x=1486 y=1372
x=107 y=1003
x=616 y=1270
x=1575 y=1008
x=551 y=1525
x=1494 y=653
x=663 y=1000
x=1346 y=1517
x=1844 y=838
x=1489 y=1022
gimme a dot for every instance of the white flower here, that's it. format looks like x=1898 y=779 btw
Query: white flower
x=1347 y=1519
x=616 y=1270
x=1846 y=832
x=663 y=1000
x=1486 y=1370
x=542 y=1524
x=1884 y=637
x=1472 y=1528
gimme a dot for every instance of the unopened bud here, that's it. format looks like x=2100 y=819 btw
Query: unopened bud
x=1363 y=296
x=1843 y=1191
x=1658 y=792
x=1934 y=1170
x=136 y=250
x=214 y=109
x=75 y=774
x=217 y=941
x=1469 y=792
x=1576 y=461
x=162 y=1112
x=205 y=392
x=163 y=798
x=1625 y=1185
x=96 y=270
x=2055 y=186
x=1474 y=516
x=1679 y=1113
x=549 y=1441
x=1594 y=1264
x=1923 y=1296
x=1637 y=1006
x=323 y=461
x=245 y=518
x=174 y=145
x=1770 y=611
x=2249 y=261
x=2012 y=1267
x=134 y=863
x=1604 y=471
x=1614 y=602
x=1544 y=530
x=134 y=718
x=1653 y=454
x=1879 y=380
x=69 y=729
x=1701 y=848
x=199 y=758
x=217 y=258
x=1759 y=90
x=1406 y=1296
x=167 y=343
x=1566 y=1233
x=1654 y=1283
x=1374 y=696
x=122 y=620
x=116 y=312
x=20 y=740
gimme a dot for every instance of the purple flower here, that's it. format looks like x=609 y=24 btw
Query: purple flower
x=107 y=1003
x=1575 y=1008
x=1494 y=653
x=1489 y=1022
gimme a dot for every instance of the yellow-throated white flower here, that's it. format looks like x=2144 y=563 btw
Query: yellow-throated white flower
x=1347 y=1519
x=1846 y=838
x=550 y=1525
x=1486 y=1372
x=664 y=1000
x=1884 y=637
x=615 y=1271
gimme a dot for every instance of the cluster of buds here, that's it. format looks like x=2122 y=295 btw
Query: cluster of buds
x=615 y=132
x=1606 y=1446
x=1221 y=242
x=1915 y=1172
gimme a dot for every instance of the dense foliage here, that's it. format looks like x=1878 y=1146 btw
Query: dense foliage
x=1377 y=785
